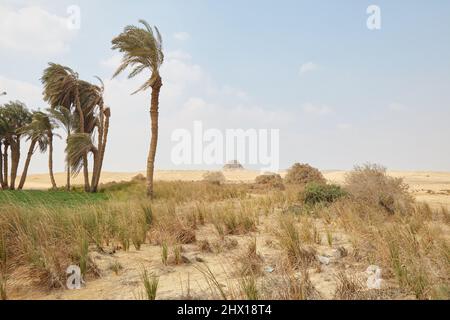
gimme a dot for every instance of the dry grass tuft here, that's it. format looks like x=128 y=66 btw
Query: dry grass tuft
x=250 y=261
x=151 y=284
x=348 y=287
x=290 y=241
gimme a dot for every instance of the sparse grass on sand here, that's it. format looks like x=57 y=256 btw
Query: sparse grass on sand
x=232 y=241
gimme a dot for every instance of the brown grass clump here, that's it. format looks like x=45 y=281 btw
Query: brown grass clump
x=371 y=184
x=302 y=174
x=204 y=246
x=290 y=240
x=214 y=177
x=232 y=220
x=348 y=287
x=270 y=180
x=250 y=261
x=291 y=285
x=410 y=248
x=139 y=178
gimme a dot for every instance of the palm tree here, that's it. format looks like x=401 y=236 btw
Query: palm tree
x=102 y=118
x=142 y=50
x=62 y=89
x=65 y=119
x=2 y=140
x=39 y=132
x=15 y=116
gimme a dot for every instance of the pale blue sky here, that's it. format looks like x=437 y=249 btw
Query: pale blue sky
x=380 y=96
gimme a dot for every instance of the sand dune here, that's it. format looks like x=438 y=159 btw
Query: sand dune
x=432 y=187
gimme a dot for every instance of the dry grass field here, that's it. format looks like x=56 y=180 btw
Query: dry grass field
x=237 y=240
x=428 y=186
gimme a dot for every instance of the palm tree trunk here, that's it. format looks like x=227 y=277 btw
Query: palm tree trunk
x=5 y=166
x=97 y=156
x=85 y=158
x=2 y=184
x=15 y=159
x=27 y=164
x=68 y=178
x=102 y=148
x=68 y=168
x=154 y=114
x=50 y=159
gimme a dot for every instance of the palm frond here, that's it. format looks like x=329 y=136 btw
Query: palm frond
x=78 y=144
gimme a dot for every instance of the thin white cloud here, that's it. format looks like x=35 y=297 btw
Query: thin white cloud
x=112 y=62
x=308 y=67
x=182 y=36
x=33 y=30
x=317 y=110
x=398 y=107
x=178 y=55
x=344 y=126
x=23 y=91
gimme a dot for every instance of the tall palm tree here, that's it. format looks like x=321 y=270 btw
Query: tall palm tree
x=62 y=88
x=15 y=116
x=96 y=118
x=142 y=50
x=2 y=140
x=102 y=118
x=39 y=133
x=65 y=119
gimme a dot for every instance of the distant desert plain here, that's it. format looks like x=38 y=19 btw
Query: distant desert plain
x=426 y=186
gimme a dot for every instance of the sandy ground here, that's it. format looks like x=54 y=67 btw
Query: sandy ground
x=186 y=281
x=432 y=187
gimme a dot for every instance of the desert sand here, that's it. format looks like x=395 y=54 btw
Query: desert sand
x=186 y=281
x=428 y=186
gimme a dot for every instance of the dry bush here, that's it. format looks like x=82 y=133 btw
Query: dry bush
x=371 y=184
x=139 y=178
x=270 y=180
x=302 y=174
x=171 y=226
x=214 y=177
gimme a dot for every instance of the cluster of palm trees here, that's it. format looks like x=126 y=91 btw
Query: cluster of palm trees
x=78 y=107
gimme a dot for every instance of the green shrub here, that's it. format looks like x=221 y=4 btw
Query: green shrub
x=321 y=193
